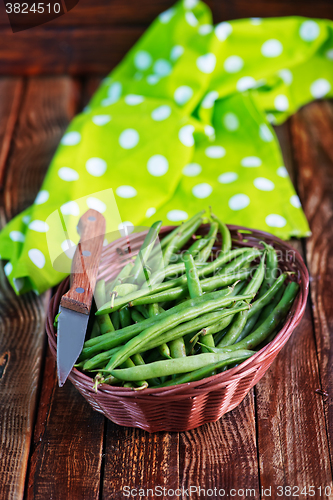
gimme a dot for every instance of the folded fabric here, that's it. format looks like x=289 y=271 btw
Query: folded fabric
x=184 y=122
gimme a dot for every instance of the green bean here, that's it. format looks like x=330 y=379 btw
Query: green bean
x=136 y=316
x=99 y=360
x=125 y=317
x=95 y=331
x=193 y=282
x=144 y=252
x=257 y=306
x=198 y=245
x=105 y=324
x=265 y=299
x=207 y=285
x=179 y=240
x=104 y=321
x=129 y=364
x=143 y=310
x=239 y=262
x=122 y=275
x=99 y=293
x=166 y=240
x=269 y=325
x=169 y=367
x=271 y=266
x=225 y=234
x=104 y=342
x=205 y=270
x=223 y=258
x=193 y=326
x=153 y=309
x=107 y=341
x=199 y=374
x=164 y=350
x=171 y=320
x=267 y=310
x=115 y=320
x=187 y=328
x=138 y=361
x=205 y=253
x=111 y=380
x=124 y=289
x=223 y=323
x=195 y=290
x=177 y=348
x=240 y=319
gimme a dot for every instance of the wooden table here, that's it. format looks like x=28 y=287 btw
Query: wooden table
x=53 y=445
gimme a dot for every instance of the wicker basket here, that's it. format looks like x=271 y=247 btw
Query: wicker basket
x=190 y=405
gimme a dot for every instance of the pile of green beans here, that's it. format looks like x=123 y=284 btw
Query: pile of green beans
x=179 y=317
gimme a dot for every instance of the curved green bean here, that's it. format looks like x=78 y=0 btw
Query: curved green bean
x=169 y=367
x=206 y=371
x=225 y=234
x=172 y=320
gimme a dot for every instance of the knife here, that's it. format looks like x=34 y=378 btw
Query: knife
x=75 y=305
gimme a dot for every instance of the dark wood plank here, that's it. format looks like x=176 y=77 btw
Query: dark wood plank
x=222 y=455
x=11 y=93
x=315 y=181
x=90 y=85
x=67 y=446
x=283 y=135
x=292 y=439
x=238 y=9
x=21 y=348
x=110 y=12
x=79 y=51
x=95 y=36
x=127 y=12
x=135 y=459
x=68 y=436
x=48 y=106
x=22 y=336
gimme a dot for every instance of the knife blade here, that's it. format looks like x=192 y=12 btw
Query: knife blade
x=75 y=305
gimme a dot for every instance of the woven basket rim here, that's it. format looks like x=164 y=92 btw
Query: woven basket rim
x=216 y=381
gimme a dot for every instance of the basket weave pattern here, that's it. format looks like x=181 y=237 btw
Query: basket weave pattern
x=190 y=405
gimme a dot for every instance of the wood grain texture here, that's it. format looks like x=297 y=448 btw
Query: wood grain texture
x=67 y=446
x=136 y=459
x=94 y=37
x=312 y=136
x=11 y=91
x=110 y=12
x=79 y=51
x=238 y=9
x=222 y=455
x=21 y=348
x=292 y=440
x=42 y=119
x=91 y=228
x=126 y=12
x=90 y=85
x=49 y=104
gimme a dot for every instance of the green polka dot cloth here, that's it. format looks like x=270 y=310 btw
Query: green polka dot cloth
x=184 y=122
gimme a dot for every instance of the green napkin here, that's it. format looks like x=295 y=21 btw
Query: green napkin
x=184 y=122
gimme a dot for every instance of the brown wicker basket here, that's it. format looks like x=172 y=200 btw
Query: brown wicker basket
x=190 y=405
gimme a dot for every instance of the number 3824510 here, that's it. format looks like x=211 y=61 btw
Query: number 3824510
x=35 y=8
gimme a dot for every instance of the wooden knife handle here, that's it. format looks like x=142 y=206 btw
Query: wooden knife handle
x=91 y=228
